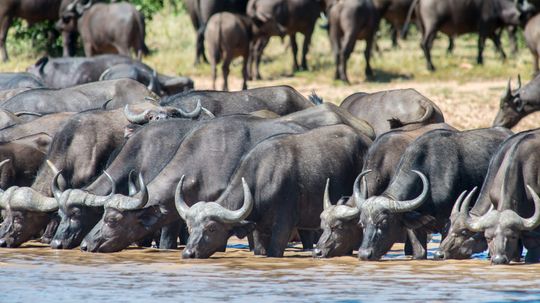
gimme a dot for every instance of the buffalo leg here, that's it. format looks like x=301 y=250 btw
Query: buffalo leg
x=146 y=242
x=418 y=243
x=183 y=235
x=346 y=52
x=394 y=37
x=497 y=41
x=481 y=46
x=88 y=51
x=308 y=238
x=535 y=60
x=427 y=44
x=260 y=243
x=214 y=73
x=244 y=71
x=259 y=51
x=451 y=45
x=335 y=40
x=278 y=241
x=169 y=235
x=305 y=49
x=367 y=55
x=294 y=49
x=225 y=68
x=199 y=52
x=5 y=22
x=512 y=37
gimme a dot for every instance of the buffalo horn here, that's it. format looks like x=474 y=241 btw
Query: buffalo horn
x=405 y=206
x=326 y=199
x=129 y=203
x=180 y=204
x=136 y=118
x=234 y=216
x=534 y=221
x=360 y=196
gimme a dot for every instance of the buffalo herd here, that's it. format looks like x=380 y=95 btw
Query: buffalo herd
x=103 y=152
x=100 y=162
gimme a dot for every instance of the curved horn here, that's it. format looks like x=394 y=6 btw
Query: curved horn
x=54 y=186
x=508 y=93
x=136 y=118
x=208 y=112
x=61 y=181
x=81 y=8
x=326 y=199
x=234 y=216
x=409 y=205
x=456 y=208
x=4 y=162
x=132 y=189
x=104 y=74
x=360 y=196
x=193 y=114
x=179 y=202
x=18 y=114
x=534 y=221
x=519 y=82
x=113 y=184
x=129 y=203
x=104 y=105
x=471 y=223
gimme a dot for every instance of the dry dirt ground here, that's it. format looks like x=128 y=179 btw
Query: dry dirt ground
x=473 y=104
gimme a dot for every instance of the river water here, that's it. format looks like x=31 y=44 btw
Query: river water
x=35 y=273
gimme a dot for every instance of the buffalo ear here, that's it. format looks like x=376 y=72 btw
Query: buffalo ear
x=243 y=229
x=519 y=104
x=415 y=220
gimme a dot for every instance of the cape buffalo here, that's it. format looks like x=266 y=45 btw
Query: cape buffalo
x=220 y=143
x=517 y=103
x=341 y=232
x=67 y=72
x=457 y=17
x=33 y=11
x=105 y=94
x=106 y=28
x=292 y=198
x=19 y=80
x=391 y=109
x=511 y=188
x=292 y=16
x=448 y=160
x=200 y=12
x=351 y=20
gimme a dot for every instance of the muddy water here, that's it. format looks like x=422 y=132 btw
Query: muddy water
x=36 y=273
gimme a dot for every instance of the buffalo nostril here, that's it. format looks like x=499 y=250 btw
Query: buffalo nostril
x=56 y=244
x=499 y=259
x=84 y=246
x=365 y=254
x=317 y=253
x=188 y=254
x=438 y=255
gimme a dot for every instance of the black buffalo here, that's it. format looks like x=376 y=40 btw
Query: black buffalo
x=517 y=103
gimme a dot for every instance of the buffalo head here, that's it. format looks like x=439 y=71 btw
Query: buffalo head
x=163 y=113
x=25 y=214
x=384 y=220
x=515 y=104
x=341 y=232
x=70 y=14
x=460 y=242
x=210 y=225
x=502 y=229
x=125 y=220
x=79 y=211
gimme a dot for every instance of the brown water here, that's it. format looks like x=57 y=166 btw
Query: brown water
x=36 y=273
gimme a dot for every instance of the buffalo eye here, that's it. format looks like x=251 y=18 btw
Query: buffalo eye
x=464 y=233
x=383 y=222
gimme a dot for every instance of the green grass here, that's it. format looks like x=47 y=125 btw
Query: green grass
x=171 y=39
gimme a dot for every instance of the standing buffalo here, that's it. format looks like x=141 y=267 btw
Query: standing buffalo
x=351 y=20
x=391 y=109
x=518 y=103
x=457 y=17
x=532 y=38
x=32 y=11
x=292 y=16
x=106 y=28
x=200 y=12
x=448 y=160
x=298 y=167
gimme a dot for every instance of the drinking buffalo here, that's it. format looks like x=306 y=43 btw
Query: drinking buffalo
x=67 y=72
x=512 y=192
x=220 y=143
x=341 y=232
x=448 y=160
x=105 y=94
x=292 y=16
x=457 y=17
x=351 y=20
x=390 y=109
x=106 y=28
x=298 y=170
x=518 y=103
x=200 y=12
